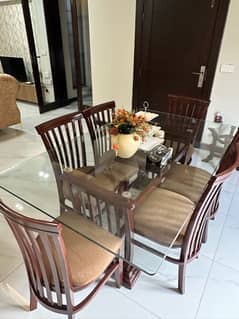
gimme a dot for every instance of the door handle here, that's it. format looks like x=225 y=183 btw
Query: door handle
x=201 y=76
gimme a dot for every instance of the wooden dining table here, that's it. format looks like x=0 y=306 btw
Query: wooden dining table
x=33 y=183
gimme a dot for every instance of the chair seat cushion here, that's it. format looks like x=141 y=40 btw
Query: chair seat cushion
x=162 y=215
x=103 y=179
x=187 y=180
x=109 y=178
x=87 y=261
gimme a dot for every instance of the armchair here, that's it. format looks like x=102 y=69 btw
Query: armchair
x=9 y=112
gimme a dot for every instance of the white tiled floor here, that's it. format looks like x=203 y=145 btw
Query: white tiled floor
x=212 y=285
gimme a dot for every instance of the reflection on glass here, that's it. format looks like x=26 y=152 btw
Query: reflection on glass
x=41 y=43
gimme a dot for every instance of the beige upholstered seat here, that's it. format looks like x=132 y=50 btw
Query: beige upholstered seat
x=186 y=180
x=9 y=112
x=161 y=215
x=109 y=178
x=60 y=261
x=82 y=253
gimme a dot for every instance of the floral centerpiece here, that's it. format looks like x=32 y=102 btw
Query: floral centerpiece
x=127 y=131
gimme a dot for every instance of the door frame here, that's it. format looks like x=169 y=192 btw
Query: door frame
x=213 y=56
x=52 y=19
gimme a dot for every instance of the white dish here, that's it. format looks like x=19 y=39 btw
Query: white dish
x=148 y=115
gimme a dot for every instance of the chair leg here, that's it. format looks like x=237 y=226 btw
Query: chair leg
x=181 y=278
x=33 y=301
x=205 y=233
x=71 y=316
x=119 y=274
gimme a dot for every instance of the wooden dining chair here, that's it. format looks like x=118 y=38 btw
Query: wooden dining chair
x=158 y=214
x=97 y=117
x=187 y=106
x=157 y=222
x=166 y=210
x=65 y=141
x=191 y=108
x=190 y=181
x=60 y=262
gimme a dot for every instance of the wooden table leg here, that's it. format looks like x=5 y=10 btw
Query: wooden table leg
x=130 y=275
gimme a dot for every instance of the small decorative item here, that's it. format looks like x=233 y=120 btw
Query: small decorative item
x=218 y=117
x=127 y=131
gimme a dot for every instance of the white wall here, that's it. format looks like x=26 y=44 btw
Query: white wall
x=13 y=37
x=225 y=93
x=112 y=28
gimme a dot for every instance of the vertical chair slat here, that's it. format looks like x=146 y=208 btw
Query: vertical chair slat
x=96 y=118
x=50 y=252
x=70 y=144
x=41 y=274
x=19 y=236
x=64 y=143
x=187 y=106
x=59 y=149
x=64 y=269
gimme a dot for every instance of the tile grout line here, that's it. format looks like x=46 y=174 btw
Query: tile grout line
x=214 y=257
x=12 y=271
x=140 y=305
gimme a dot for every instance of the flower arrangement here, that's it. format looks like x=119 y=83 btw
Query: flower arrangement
x=127 y=123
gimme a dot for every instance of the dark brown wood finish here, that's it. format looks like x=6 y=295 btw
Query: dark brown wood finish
x=53 y=26
x=193 y=238
x=96 y=118
x=107 y=203
x=226 y=162
x=50 y=277
x=187 y=106
x=75 y=31
x=173 y=40
x=33 y=54
x=64 y=140
x=105 y=208
x=195 y=232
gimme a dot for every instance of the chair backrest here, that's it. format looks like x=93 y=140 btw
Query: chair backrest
x=9 y=112
x=208 y=203
x=45 y=258
x=229 y=155
x=105 y=208
x=96 y=118
x=187 y=106
x=64 y=140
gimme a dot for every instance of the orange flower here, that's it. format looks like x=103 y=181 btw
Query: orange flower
x=115 y=147
x=136 y=137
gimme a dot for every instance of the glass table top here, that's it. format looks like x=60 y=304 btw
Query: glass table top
x=35 y=183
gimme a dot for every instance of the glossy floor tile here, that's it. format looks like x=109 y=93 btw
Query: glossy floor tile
x=212 y=284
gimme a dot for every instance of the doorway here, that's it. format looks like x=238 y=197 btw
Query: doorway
x=69 y=34
x=176 y=49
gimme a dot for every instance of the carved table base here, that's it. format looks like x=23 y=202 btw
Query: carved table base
x=130 y=275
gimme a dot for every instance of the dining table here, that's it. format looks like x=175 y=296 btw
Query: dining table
x=33 y=181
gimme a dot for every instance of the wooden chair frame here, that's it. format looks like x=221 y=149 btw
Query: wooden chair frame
x=96 y=118
x=196 y=228
x=195 y=233
x=187 y=106
x=64 y=140
x=50 y=293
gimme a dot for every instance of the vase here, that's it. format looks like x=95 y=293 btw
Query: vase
x=127 y=144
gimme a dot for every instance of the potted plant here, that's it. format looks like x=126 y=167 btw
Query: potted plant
x=127 y=131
